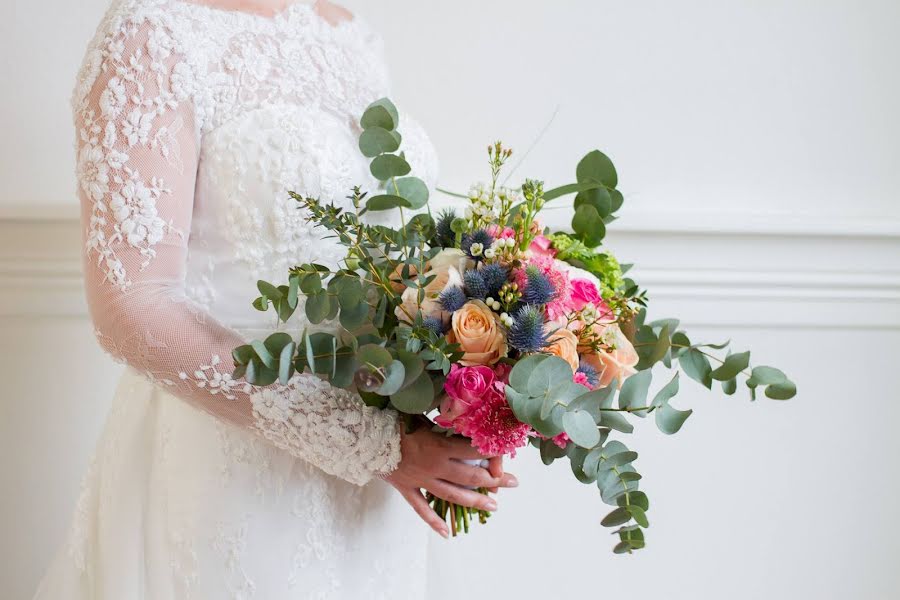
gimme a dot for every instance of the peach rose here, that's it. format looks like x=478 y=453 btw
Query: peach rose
x=444 y=278
x=564 y=344
x=476 y=328
x=619 y=362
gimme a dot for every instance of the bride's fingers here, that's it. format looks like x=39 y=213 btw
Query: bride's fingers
x=415 y=499
x=462 y=448
x=467 y=475
x=462 y=496
x=495 y=466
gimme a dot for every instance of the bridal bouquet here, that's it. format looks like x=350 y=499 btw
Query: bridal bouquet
x=497 y=329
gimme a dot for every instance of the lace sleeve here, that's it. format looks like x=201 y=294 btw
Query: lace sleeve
x=138 y=147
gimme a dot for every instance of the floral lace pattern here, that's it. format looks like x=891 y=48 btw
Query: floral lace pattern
x=191 y=124
x=186 y=145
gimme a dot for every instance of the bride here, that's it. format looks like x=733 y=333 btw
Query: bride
x=194 y=117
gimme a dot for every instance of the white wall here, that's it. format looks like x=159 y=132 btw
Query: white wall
x=757 y=146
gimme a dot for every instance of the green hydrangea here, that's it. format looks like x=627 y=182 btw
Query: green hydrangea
x=599 y=262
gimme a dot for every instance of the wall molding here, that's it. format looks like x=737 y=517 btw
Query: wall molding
x=823 y=274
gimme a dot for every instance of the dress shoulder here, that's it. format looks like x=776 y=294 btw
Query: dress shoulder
x=126 y=23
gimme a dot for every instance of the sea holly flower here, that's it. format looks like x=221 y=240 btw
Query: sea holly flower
x=475 y=284
x=452 y=299
x=527 y=333
x=538 y=287
x=494 y=276
x=474 y=243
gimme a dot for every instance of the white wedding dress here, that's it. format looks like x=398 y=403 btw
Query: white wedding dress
x=193 y=122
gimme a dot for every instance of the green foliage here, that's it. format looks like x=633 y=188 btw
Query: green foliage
x=380 y=141
x=401 y=361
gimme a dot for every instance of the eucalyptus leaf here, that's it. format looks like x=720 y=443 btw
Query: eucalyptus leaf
x=636 y=499
x=615 y=420
x=387 y=202
x=264 y=354
x=318 y=306
x=784 y=390
x=634 y=392
x=355 y=317
x=669 y=420
x=767 y=375
x=374 y=356
x=599 y=198
x=286 y=363
x=381 y=113
x=412 y=364
x=394 y=376
x=640 y=517
x=581 y=429
x=268 y=290
x=386 y=166
x=413 y=190
x=522 y=371
x=666 y=393
x=596 y=166
x=377 y=140
x=588 y=226
x=417 y=397
x=696 y=366
x=732 y=366
x=547 y=375
x=617 y=517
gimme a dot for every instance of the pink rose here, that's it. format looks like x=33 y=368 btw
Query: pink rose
x=464 y=387
x=542 y=246
x=497 y=233
x=583 y=292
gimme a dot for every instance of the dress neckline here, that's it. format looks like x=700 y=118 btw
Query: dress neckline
x=305 y=7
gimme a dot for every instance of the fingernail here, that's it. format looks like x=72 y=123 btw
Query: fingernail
x=491 y=505
x=444 y=534
x=511 y=481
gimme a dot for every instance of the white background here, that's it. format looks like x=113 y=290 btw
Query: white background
x=757 y=145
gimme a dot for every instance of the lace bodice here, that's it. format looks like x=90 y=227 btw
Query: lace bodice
x=192 y=123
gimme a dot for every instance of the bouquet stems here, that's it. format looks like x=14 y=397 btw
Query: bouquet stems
x=457 y=516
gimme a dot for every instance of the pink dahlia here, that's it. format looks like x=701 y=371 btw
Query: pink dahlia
x=492 y=426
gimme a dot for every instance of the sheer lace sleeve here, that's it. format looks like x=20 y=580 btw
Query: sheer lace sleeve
x=138 y=147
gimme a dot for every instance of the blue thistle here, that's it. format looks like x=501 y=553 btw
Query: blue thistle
x=593 y=377
x=527 y=331
x=475 y=285
x=479 y=236
x=434 y=325
x=538 y=288
x=494 y=276
x=452 y=299
x=445 y=236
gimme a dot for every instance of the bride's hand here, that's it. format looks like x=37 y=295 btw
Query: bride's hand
x=430 y=461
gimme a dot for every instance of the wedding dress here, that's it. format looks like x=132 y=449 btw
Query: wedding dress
x=193 y=122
